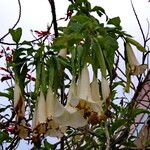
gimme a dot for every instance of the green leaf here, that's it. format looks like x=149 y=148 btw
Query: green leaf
x=16 y=34
x=137 y=44
x=110 y=46
x=4 y=136
x=47 y=146
x=138 y=111
x=5 y=95
x=116 y=22
x=100 y=57
x=117 y=124
x=100 y=11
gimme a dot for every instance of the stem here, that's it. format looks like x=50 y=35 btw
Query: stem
x=19 y=3
x=107 y=136
x=52 y=4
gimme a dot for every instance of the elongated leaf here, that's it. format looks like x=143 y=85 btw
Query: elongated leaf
x=137 y=44
x=5 y=95
x=97 y=48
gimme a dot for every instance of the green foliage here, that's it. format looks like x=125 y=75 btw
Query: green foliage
x=16 y=34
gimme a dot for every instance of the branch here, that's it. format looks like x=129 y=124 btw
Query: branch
x=52 y=4
x=138 y=22
x=107 y=137
x=19 y=3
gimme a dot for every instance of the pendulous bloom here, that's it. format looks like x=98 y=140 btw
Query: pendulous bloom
x=63 y=115
x=84 y=100
x=53 y=109
x=19 y=103
x=135 y=67
x=39 y=116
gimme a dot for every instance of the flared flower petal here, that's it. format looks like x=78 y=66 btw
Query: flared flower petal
x=54 y=129
x=53 y=110
x=62 y=116
x=19 y=103
x=135 y=67
x=71 y=118
x=22 y=129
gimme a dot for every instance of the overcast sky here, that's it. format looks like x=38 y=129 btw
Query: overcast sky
x=36 y=14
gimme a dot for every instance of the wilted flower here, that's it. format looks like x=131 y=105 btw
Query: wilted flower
x=54 y=129
x=135 y=67
x=19 y=104
x=84 y=100
x=22 y=129
x=39 y=117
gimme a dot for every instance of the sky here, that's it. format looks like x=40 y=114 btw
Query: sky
x=36 y=15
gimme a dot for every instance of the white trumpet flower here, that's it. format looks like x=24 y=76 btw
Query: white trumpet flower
x=105 y=89
x=53 y=109
x=84 y=100
x=135 y=66
x=63 y=115
x=19 y=103
x=39 y=117
x=96 y=94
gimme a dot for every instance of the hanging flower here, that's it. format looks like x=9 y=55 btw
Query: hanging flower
x=53 y=109
x=84 y=99
x=19 y=104
x=105 y=89
x=97 y=98
x=75 y=117
x=135 y=67
x=22 y=129
x=64 y=116
x=39 y=117
x=105 y=94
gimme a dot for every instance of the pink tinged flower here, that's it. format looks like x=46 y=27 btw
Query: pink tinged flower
x=9 y=58
x=135 y=67
x=19 y=103
x=39 y=117
x=42 y=33
x=11 y=128
x=6 y=77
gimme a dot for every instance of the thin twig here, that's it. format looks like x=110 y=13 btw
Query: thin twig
x=141 y=29
x=107 y=137
x=52 y=4
x=19 y=3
